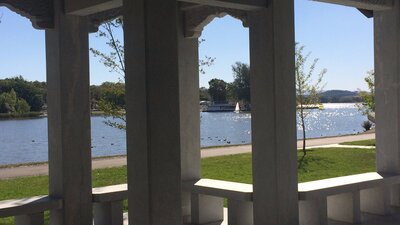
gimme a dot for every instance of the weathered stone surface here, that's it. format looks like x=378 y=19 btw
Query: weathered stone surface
x=70 y=171
x=40 y=12
x=273 y=114
x=363 y=4
x=153 y=112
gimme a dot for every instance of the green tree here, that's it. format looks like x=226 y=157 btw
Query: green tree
x=115 y=61
x=109 y=100
x=204 y=95
x=33 y=93
x=217 y=90
x=307 y=90
x=10 y=103
x=112 y=103
x=240 y=86
x=113 y=93
x=367 y=107
x=22 y=106
x=8 y=100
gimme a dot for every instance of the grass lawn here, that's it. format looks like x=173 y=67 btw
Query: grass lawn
x=318 y=164
x=370 y=142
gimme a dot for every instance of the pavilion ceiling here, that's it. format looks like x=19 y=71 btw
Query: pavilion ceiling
x=363 y=4
x=198 y=13
x=40 y=12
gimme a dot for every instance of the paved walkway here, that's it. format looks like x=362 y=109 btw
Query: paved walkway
x=42 y=169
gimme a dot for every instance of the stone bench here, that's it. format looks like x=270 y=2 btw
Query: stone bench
x=108 y=204
x=207 y=197
x=343 y=198
x=29 y=211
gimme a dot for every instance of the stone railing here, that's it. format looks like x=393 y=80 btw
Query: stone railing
x=108 y=204
x=29 y=211
x=341 y=199
x=208 y=201
x=344 y=198
x=107 y=207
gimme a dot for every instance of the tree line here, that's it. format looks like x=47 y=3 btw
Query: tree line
x=220 y=91
x=18 y=96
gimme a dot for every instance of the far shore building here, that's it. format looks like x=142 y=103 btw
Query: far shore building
x=164 y=181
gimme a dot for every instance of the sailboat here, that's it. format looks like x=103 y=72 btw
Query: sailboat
x=237 y=108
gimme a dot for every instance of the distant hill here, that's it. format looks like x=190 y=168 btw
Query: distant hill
x=339 y=96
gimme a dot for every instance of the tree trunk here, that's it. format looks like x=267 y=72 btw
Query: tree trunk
x=304 y=135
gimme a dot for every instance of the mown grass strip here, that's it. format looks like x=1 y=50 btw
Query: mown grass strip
x=318 y=164
x=370 y=142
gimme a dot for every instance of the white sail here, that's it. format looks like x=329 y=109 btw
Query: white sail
x=237 y=108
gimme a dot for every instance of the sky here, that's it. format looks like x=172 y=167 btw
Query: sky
x=340 y=37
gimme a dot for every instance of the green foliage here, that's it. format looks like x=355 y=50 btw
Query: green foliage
x=22 y=106
x=217 y=90
x=8 y=100
x=207 y=61
x=307 y=90
x=114 y=60
x=117 y=114
x=11 y=104
x=367 y=107
x=22 y=115
x=367 y=125
x=32 y=92
x=110 y=98
x=204 y=95
x=114 y=93
x=240 y=86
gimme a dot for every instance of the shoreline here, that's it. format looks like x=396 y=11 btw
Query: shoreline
x=202 y=148
x=41 y=168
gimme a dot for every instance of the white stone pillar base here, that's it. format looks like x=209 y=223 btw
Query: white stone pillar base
x=240 y=212
x=313 y=212
x=376 y=200
x=108 y=213
x=31 y=219
x=207 y=210
x=345 y=207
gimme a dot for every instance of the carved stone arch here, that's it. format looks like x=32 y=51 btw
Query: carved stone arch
x=197 y=17
x=39 y=12
x=97 y=19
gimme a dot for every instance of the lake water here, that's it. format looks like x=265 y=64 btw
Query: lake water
x=24 y=141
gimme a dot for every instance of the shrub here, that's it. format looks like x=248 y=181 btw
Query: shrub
x=366 y=125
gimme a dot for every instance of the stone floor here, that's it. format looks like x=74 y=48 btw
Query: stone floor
x=368 y=219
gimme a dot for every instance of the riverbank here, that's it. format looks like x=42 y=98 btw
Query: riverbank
x=36 y=169
x=32 y=115
x=17 y=116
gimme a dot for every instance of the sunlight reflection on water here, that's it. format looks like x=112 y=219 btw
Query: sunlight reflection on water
x=26 y=140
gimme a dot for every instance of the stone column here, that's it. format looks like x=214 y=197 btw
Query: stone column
x=387 y=87
x=153 y=112
x=273 y=114
x=387 y=82
x=189 y=112
x=67 y=53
